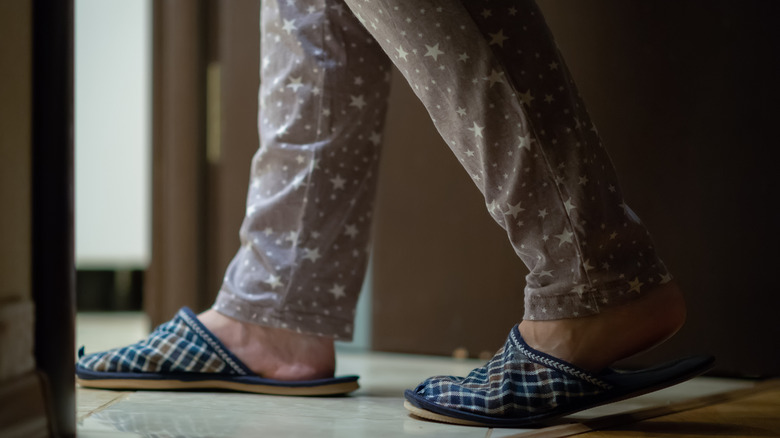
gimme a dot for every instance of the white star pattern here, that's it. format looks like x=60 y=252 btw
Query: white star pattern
x=569 y=206
x=338 y=182
x=402 y=53
x=514 y=210
x=565 y=237
x=498 y=38
x=311 y=254
x=273 y=281
x=525 y=141
x=495 y=77
x=357 y=101
x=295 y=83
x=351 y=231
x=337 y=291
x=527 y=97
x=477 y=130
x=289 y=26
x=635 y=285
x=579 y=289
x=321 y=118
x=433 y=52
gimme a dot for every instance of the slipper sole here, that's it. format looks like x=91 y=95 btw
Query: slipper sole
x=174 y=384
x=428 y=415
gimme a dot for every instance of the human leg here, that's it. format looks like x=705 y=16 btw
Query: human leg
x=500 y=95
x=293 y=285
x=323 y=93
x=296 y=278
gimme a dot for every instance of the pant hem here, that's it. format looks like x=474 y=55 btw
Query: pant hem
x=590 y=302
x=318 y=324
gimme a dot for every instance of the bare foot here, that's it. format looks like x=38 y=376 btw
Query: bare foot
x=274 y=353
x=594 y=342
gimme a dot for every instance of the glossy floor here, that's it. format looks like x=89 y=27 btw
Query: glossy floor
x=376 y=410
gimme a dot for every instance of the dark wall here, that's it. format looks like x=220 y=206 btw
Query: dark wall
x=686 y=98
x=444 y=274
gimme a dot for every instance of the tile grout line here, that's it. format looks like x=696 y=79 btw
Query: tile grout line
x=105 y=405
x=638 y=415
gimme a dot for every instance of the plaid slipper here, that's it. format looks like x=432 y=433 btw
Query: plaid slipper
x=521 y=386
x=184 y=354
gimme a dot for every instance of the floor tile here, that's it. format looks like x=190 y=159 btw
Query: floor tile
x=238 y=415
x=92 y=400
x=698 y=387
x=748 y=415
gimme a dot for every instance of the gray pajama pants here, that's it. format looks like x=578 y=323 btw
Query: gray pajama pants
x=499 y=93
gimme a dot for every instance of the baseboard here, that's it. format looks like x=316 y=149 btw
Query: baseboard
x=23 y=412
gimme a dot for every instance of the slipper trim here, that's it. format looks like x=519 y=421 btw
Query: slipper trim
x=192 y=321
x=555 y=363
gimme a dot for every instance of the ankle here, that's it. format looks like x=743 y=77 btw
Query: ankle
x=274 y=352
x=596 y=341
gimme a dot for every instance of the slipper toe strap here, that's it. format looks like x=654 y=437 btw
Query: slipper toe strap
x=181 y=345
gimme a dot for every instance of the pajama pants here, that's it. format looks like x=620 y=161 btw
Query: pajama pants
x=498 y=92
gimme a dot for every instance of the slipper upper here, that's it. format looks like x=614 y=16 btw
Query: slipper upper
x=517 y=381
x=181 y=345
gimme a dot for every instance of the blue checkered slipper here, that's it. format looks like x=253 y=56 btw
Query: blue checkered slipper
x=184 y=354
x=521 y=387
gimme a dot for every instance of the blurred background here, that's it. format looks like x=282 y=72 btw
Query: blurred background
x=684 y=92
x=113 y=120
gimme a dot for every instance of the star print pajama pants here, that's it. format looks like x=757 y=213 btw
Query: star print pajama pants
x=499 y=93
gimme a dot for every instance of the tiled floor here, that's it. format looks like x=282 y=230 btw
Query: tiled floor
x=376 y=410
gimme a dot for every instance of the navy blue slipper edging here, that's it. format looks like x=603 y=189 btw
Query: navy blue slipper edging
x=183 y=354
x=523 y=387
